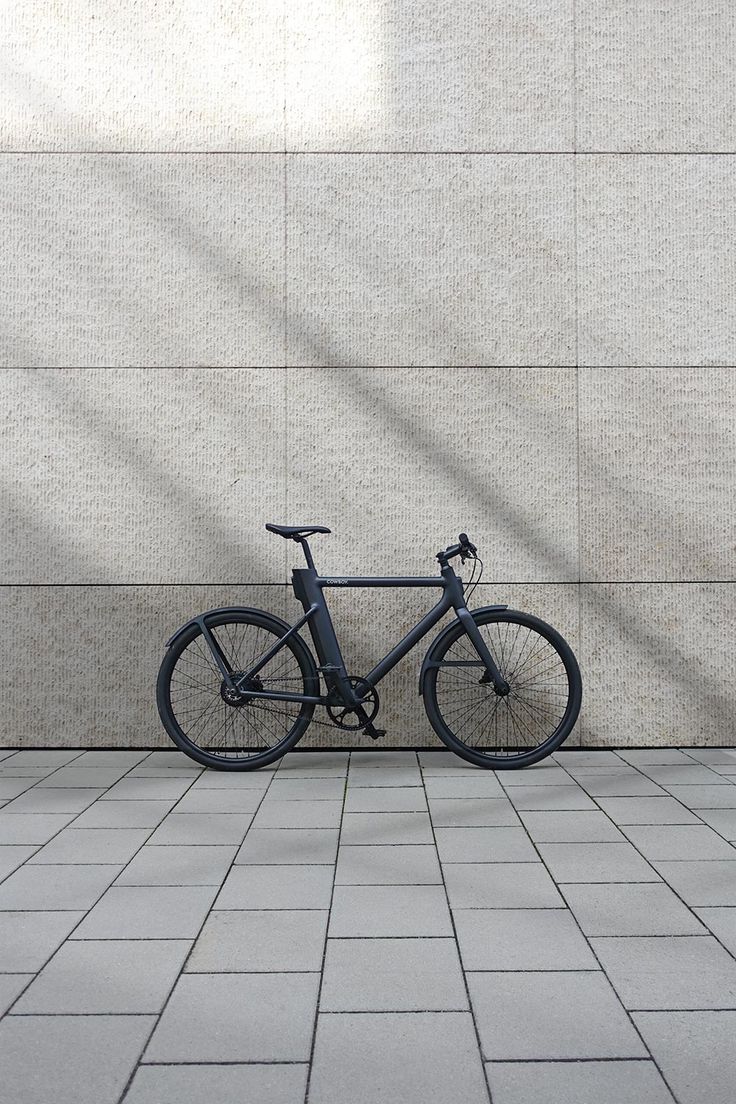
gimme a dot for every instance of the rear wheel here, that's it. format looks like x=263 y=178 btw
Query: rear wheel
x=509 y=730
x=235 y=731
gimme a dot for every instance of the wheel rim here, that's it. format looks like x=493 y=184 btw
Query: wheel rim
x=504 y=726
x=234 y=729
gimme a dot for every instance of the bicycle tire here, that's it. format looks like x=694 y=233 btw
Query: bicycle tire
x=257 y=719
x=453 y=659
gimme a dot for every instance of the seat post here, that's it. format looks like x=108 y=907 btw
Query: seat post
x=307 y=553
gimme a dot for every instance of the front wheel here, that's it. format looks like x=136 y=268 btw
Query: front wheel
x=509 y=730
x=225 y=730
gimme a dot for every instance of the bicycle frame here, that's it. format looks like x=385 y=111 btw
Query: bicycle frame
x=309 y=590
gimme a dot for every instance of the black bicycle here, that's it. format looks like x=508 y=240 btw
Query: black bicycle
x=238 y=687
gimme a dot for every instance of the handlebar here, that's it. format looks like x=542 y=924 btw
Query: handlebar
x=465 y=549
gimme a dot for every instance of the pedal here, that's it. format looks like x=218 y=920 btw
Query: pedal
x=374 y=733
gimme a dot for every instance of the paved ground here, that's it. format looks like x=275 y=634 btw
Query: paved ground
x=560 y=934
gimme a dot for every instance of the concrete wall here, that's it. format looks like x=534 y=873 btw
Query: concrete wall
x=396 y=268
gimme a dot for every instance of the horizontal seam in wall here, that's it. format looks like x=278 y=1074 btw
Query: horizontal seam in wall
x=372 y=153
x=494 y=583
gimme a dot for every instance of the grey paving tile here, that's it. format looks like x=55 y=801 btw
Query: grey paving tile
x=28 y=939
x=31 y=827
x=542 y=774
x=34 y=888
x=596 y=862
x=314 y=764
x=384 y=777
x=592 y=757
x=160 y=789
x=92 y=845
x=143 y=771
x=474 y=785
x=12 y=787
x=713 y=756
x=678 y=841
x=640 y=909
x=392 y=975
x=722 y=922
x=669 y=972
x=254 y=942
x=106 y=976
x=380 y=760
x=12 y=856
x=24 y=770
x=220 y=801
x=705 y=797
x=201 y=828
x=289 y=846
x=478 y=845
x=435 y=763
x=376 y=910
x=80 y=777
x=728 y=770
x=298 y=814
x=521 y=939
x=406 y=1057
x=550 y=797
x=639 y=756
x=46 y=800
x=11 y=985
x=701 y=883
x=7 y=753
x=172 y=866
x=646 y=810
x=123 y=814
x=501 y=885
x=577 y=1083
x=271 y=887
x=410 y=864
x=307 y=789
x=383 y=828
x=147 y=912
x=259 y=1017
x=570 y=827
x=624 y=784
x=234 y=780
x=46 y=757
x=457 y=812
x=695 y=1052
x=36 y=1055
x=551 y=1015
x=171 y=759
x=125 y=759
x=230 y=1084
x=677 y=775
x=388 y=799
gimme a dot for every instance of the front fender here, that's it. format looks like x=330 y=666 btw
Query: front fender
x=202 y=618
x=441 y=638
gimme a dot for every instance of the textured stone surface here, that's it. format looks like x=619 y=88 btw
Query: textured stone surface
x=163 y=468
x=446 y=259
x=673 y=641
x=657 y=473
x=453 y=76
x=655 y=76
x=142 y=78
x=655 y=261
x=138 y=259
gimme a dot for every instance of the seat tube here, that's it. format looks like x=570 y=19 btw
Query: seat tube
x=331 y=663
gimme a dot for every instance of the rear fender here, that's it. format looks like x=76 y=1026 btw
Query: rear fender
x=202 y=618
x=439 y=640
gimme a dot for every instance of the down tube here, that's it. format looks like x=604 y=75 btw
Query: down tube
x=412 y=637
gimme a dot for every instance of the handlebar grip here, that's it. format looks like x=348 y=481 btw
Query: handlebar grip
x=464 y=538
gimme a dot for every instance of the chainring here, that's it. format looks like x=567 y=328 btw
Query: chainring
x=339 y=714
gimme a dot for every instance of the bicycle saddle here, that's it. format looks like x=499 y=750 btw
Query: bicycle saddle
x=296 y=532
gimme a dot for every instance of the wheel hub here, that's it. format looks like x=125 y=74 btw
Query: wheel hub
x=232 y=696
